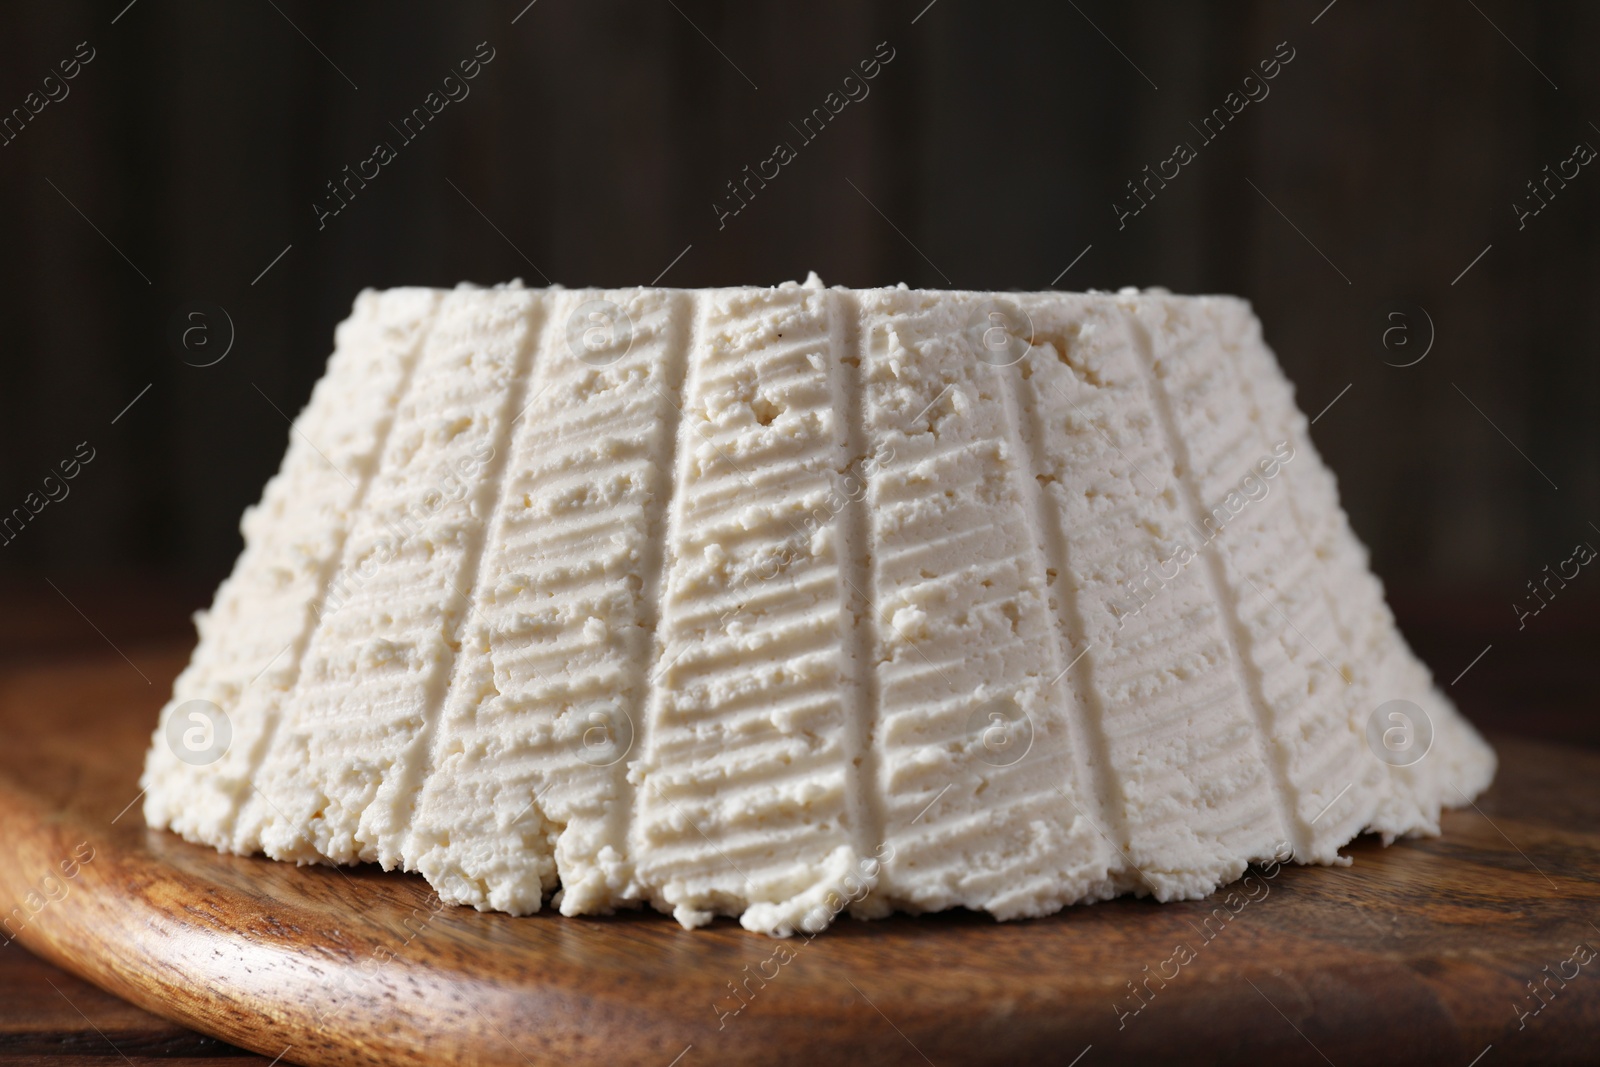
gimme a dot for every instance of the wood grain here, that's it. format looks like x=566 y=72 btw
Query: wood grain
x=45 y=1012
x=1417 y=954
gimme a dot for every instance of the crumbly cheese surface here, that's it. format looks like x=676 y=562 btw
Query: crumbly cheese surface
x=784 y=603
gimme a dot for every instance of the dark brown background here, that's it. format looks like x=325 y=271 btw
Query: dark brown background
x=993 y=145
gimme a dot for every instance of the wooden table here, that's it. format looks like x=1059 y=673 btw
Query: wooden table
x=1416 y=954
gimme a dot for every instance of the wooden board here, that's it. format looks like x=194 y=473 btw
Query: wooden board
x=48 y=1016
x=1416 y=954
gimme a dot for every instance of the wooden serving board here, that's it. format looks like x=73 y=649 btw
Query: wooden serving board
x=1416 y=954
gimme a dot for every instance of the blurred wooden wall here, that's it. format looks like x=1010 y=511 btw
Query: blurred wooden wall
x=996 y=140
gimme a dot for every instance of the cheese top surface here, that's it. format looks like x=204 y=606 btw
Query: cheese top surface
x=785 y=602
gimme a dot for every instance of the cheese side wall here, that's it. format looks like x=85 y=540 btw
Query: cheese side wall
x=779 y=603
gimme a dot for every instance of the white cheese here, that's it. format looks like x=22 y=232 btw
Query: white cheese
x=778 y=603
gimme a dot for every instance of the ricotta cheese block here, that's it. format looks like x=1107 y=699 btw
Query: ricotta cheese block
x=780 y=603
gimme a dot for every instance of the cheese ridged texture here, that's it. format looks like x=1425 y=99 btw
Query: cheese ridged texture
x=784 y=602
